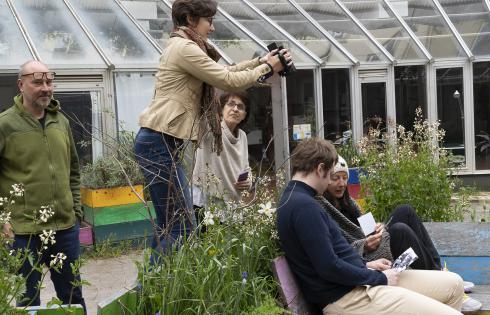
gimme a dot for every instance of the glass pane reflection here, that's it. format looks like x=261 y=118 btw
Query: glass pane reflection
x=290 y=19
x=343 y=29
x=13 y=48
x=481 y=91
x=55 y=33
x=450 y=111
x=262 y=29
x=120 y=39
x=472 y=21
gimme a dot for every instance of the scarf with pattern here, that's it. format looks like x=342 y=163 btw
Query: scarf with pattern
x=354 y=234
x=210 y=105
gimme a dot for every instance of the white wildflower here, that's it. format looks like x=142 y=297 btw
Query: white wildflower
x=45 y=213
x=267 y=209
x=48 y=237
x=208 y=218
x=57 y=260
x=4 y=217
x=18 y=190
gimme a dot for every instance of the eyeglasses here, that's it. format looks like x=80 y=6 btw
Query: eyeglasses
x=239 y=106
x=41 y=75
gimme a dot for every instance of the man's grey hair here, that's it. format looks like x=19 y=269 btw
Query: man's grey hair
x=23 y=67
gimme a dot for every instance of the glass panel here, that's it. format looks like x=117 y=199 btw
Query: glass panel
x=410 y=93
x=77 y=107
x=263 y=30
x=343 y=29
x=301 y=107
x=450 y=110
x=55 y=33
x=429 y=26
x=260 y=130
x=381 y=22
x=336 y=103
x=130 y=104
x=289 y=18
x=8 y=89
x=13 y=48
x=472 y=21
x=373 y=106
x=120 y=39
x=481 y=91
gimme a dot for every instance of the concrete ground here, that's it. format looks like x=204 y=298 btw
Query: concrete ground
x=106 y=277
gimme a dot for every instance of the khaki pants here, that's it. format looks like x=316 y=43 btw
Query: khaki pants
x=419 y=292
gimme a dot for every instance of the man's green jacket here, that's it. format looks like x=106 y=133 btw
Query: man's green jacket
x=45 y=161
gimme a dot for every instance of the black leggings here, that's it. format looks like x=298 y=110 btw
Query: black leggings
x=406 y=230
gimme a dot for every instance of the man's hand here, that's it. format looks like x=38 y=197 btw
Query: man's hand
x=392 y=276
x=7 y=230
x=373 y=241
x=379 y=264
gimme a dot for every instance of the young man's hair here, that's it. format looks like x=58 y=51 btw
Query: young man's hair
x=194 y=9
x=243 y=96
x=310 y=153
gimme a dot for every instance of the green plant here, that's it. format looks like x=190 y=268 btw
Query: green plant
x=116 y=170
x=410 y=167
x=225 y=270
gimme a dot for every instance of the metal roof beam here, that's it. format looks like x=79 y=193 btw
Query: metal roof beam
x=91 y=37
x=453 y=29
x=325 y=33
x=407 y=28
x=366 y=32
x=284 y=32
x=487 y=4
x=25 y=34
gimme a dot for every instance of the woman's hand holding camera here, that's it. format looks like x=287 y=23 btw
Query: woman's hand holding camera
x=273 y=59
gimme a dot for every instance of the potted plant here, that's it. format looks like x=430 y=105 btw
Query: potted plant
x=112 y=195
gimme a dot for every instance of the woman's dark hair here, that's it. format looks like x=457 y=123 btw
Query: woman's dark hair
x=194 y=9
x=344 y=205
x=243 y=96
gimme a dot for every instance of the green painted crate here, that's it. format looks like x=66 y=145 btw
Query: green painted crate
x=120 y=222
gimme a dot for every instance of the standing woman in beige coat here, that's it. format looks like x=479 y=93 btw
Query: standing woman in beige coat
x=184 y=107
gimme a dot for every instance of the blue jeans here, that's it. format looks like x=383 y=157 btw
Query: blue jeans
x=68 y=243
x=159 y=157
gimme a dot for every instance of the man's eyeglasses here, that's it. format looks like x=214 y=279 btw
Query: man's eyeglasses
x=41 y=75
x=239 y=106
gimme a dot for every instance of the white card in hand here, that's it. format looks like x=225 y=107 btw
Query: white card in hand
x=368 y=225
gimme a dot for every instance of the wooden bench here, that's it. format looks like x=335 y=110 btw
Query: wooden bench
x=465 y=247
x=289 y=291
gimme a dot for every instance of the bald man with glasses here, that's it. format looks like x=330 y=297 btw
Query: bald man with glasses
x=37 y=150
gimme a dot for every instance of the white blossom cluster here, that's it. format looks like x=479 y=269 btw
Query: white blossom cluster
x=18 y=190
x=57 y=260
x=45 y=213
x=47 y=237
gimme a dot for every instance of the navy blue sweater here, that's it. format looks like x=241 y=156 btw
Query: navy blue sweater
x=325 y=264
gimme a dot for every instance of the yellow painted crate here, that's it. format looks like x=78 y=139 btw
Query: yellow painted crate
x=108 y=197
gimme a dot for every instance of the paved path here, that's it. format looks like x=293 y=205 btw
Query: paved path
x=106 y=276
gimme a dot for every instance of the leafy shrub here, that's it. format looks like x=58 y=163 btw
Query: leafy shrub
x=410 y=167
x=224 y=270
x=116 y=170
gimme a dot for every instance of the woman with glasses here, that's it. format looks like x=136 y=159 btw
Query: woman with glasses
x=184 y=107
x=220 y=179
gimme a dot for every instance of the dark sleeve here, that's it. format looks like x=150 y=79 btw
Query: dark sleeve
x=315 y=236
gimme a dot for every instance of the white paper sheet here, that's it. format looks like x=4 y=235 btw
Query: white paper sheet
x=367 y=222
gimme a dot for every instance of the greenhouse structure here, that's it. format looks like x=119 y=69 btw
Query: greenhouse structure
x=359 y=63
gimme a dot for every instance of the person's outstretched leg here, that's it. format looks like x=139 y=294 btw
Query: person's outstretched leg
x=401 y=238
x=406 y=214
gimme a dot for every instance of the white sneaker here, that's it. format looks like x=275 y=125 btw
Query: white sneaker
x=470 y=304
x=468 y=286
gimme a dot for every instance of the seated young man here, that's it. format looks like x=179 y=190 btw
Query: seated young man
x=330 y=273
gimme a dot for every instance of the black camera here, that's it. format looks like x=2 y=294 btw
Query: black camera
x=288 y=69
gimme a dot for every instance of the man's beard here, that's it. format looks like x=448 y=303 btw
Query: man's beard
x=42 y=104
